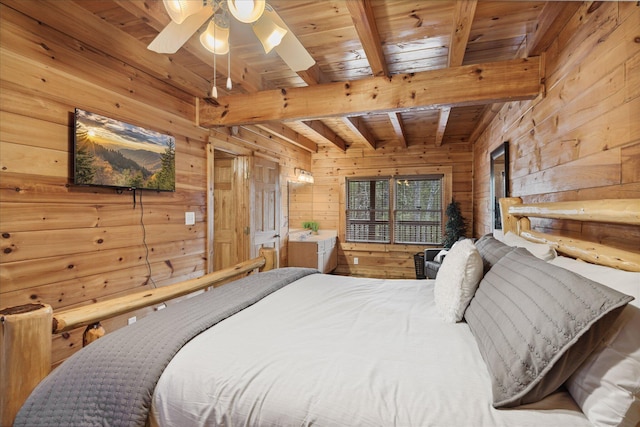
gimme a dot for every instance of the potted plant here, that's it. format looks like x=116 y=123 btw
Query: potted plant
x=311 y=225
x=455 y=226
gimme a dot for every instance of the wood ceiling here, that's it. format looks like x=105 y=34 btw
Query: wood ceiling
x=394 y=72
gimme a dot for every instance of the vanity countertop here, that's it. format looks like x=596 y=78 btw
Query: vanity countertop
x=300 y=235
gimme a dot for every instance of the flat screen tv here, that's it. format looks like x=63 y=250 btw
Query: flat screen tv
x=111 y=153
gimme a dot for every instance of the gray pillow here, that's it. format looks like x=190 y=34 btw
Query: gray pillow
x=491 y=251
x=535 y=323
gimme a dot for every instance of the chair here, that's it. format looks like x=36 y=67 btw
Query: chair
x=431 y=264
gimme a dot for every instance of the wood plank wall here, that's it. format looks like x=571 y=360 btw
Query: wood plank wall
x=69 y=246
x=332 y=166
x=582 y=139
x=66 y=245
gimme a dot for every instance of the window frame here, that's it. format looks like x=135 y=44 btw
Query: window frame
x=396 y=210
x=372 y=221
x=445 y=190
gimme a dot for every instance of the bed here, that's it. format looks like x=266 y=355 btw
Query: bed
x=527 y=336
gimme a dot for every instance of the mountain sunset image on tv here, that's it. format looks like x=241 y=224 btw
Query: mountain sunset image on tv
x=112 y=153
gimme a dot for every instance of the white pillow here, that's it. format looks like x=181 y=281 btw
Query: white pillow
x=457 y=280
x=607 y=385
x=440 y=255
x=539 y=250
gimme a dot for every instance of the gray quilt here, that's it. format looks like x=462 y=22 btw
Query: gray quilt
x=111 y=381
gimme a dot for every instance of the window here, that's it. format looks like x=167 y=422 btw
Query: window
x=418 y=210
x=416 y=216
x=368 y=210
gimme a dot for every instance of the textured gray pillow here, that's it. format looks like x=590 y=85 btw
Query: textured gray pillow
x=491 y=250
x=535 y=323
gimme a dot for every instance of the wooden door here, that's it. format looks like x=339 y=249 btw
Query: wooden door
x=231 y=213
x=265 y=207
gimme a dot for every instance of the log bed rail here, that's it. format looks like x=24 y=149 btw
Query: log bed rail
x=515 y=218
x=26 y=331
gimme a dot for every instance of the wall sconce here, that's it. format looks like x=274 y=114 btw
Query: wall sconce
x=304 y=176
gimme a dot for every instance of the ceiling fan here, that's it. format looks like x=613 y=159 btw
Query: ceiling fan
x=187 y=16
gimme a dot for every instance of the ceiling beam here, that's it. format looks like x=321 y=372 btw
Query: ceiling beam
x=313 y=75
x=325 y=133
x=552 y=19
x=360 y=130
x=365 y=23
x=463 y=14
x=289 y=135
x=443 y=118
x=398 y=128
x=476 y=84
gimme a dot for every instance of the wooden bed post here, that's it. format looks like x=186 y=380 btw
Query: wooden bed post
x=269 y=255
x=511 y=222
x=26 y=330
x=25 y=355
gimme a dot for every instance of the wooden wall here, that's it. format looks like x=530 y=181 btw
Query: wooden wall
x=582 y=139
x=66 y=245
x=331 y=166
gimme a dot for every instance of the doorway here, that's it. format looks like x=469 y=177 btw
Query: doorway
x=246 y=207
x=265 y=191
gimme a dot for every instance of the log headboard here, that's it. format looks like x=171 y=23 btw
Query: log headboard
x=25 y=335
x=515 y=219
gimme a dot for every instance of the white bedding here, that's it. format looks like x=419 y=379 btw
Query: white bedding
x=341 y=351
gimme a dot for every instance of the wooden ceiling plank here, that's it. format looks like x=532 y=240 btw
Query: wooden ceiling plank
x=553 y=17
x=442 y=124
x=365 y=24
x=325 y=133
x=463 y=14
x=486 y=118
x=360 y=130
x=475 y=84
x=398 y=128
x=83 y=25
x=289 y=135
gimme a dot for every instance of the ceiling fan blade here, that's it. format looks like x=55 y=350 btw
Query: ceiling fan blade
x=292 y=52
x=173 y=36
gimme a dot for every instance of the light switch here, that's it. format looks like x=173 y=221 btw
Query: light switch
x=189 y=218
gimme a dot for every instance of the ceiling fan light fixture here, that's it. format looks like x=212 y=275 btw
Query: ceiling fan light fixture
x=246 y=11
x=216 y=38
x=269 y=33
x=179 y=10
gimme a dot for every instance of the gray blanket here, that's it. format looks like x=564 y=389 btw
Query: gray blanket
x=111 y=381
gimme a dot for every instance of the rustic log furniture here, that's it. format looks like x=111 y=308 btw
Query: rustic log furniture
x=25 y=333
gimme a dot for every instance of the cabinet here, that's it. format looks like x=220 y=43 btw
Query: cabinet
x=315 y=251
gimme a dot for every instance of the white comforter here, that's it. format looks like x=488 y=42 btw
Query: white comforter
x=341 y=351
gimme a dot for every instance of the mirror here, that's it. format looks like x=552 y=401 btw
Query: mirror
x=300 y=204
x=499 y=182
